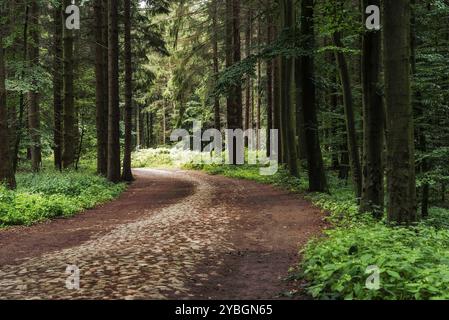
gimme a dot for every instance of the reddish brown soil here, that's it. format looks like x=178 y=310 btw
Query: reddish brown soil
x=268 y=228
x=146 y=193
x=274 y=225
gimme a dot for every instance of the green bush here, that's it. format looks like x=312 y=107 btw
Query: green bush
x=413 y=263
x=52 y=194
x=152 y=158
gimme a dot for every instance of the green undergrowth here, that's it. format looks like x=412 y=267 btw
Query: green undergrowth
x=52 y=194
x=152 y=158
x=413 y=262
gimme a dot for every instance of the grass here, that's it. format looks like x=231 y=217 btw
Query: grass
x=52 y=194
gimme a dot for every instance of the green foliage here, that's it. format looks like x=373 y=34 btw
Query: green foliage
x=413 y=262
x=152 y=158
x=52 y=194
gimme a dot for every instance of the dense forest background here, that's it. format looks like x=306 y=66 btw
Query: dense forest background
x=357 y=108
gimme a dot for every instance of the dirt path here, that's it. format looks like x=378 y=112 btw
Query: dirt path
x=173 y=234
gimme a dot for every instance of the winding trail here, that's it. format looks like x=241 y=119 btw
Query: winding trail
x=172 y=235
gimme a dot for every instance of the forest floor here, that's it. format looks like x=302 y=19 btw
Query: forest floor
x=172 y=235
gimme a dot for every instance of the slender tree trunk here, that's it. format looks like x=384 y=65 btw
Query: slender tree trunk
x=287 y=101
x=317 y=174
x=127 y=173
x=33 y=96
x=6 y=165
x=104 y=138
x=401 y=187
x=354 y=157
x=236 y=110
x=373 y=124
x=101 y=87
x=70 y=129
x=114 y=108
x=269 y=75
x=249 y=86
x=20 y=124
x=217 y=118
x=233 y=55
x=277 y=103
x=57 y=86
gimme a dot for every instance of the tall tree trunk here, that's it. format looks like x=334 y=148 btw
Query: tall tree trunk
x=233 y=55
x=373 y=123
x=217 y=118
x=269 y=75
x=57 y=86
x=70 y=130
x=401 y=187
x=114 y=108
x=259 y=84
x=249 y=86
x=288 y=111
x=6 y=165
x=354 y=157
x=236 y=110
x=317 y=174
x=277 y=103
x=100 y=89
x=19 y=126
x=127 y=173
x=33 y=96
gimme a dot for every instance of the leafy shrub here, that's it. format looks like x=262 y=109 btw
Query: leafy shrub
x=413 y=263
x=52 y=194
x=154 y=158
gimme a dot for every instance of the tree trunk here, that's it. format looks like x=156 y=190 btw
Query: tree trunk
x=401 y=187
x=269 y=79
x=249 y=86
x=57 y=86
x=114 y=108
x=288 y=111
x=19 y=125
x=277 y=103
x=373 y=123
x=354 y=157
x=101 y=87
x=217 y=118
x=6 y=165
x=127 y=173
x=317 y=174
x=70 y=129
x=33 y=96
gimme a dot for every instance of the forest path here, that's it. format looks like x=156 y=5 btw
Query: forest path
x=172 y=234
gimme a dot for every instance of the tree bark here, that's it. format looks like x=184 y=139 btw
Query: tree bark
x=316 y=171
x=127 y=173
x=114 y=108
x=288 y=117
x=217 y=117
x=70 y=130
x=57 y=86
x=100 y=89
x=6 y=165
x=269 y=75
x=401 y=187
x=33 y=96
x=373 y=123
